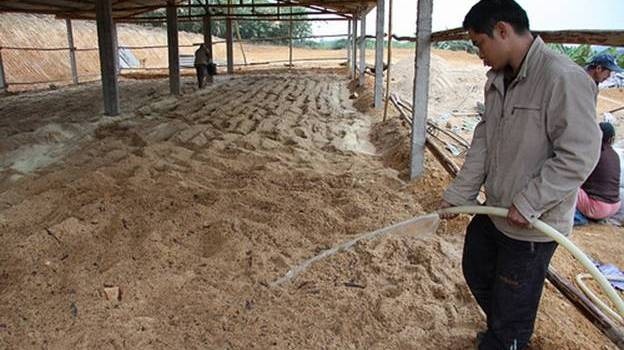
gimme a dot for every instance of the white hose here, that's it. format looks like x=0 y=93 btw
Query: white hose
x=606 y=309
x=557 y=237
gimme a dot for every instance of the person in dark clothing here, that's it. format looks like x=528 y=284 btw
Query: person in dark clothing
x=599 y=196
x=601 y=66
x=203 y=65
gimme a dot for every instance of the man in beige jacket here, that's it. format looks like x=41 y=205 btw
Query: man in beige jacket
x=537 y=142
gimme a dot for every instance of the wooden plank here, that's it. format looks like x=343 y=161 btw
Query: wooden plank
x=379 y=51
x=421 y=87
x=110 y=86
x=173 y=50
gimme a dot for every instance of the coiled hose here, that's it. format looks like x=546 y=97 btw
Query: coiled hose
x=601 y=305
x=557 y=237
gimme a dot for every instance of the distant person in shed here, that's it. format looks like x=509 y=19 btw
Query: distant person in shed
x=537 y=142
x=203 y=65
x=601 y=67
x=599 y=196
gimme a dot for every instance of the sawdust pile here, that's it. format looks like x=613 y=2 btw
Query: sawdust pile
x=190 y=207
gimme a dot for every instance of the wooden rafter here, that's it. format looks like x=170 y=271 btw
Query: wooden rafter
x=581 y=36
x=85 y=9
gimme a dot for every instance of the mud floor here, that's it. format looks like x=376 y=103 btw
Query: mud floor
x=192 y=206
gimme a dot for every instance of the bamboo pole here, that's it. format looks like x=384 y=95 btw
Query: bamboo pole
x=446 y=162
x=240 y=42
x=616 y=109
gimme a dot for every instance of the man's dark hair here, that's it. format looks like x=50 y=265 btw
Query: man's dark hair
x=483 y=16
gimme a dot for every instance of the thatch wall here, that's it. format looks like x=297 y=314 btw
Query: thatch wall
x=39 y=31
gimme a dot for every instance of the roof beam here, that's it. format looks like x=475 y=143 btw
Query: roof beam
x=581 y=36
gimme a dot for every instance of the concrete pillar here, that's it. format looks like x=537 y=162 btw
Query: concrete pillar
x=208 y=35
x=172 y=45
x=290 y=40
x=349 y=45
x=116 y=48
x=72 y=51
x=354 y=42
x=3 y=84
x=110 y=86
x=362 y=50
x=421 y=87
x=229 y=45
x=379 y=51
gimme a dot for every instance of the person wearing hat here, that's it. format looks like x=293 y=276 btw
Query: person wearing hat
x=601 y=66
x=599 y=196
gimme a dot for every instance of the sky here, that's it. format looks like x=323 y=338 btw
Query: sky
x=543 y=15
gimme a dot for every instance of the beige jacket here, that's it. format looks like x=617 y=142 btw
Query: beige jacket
x=535 y=145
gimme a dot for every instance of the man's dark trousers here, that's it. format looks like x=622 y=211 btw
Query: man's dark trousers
x=202 y=72
x=506 y=277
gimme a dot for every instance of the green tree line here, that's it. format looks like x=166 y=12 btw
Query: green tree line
x=248 y=29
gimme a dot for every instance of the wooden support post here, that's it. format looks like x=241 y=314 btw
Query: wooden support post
x=3 y=84
x=172 y=45
x=421 y=87
x=290 y=40
x=379 y=49
x=110 y=86
x=355 y=46
x=72 y=51
x=229 y=42
x=348 y=45
x=208 y=35
x=362 y=50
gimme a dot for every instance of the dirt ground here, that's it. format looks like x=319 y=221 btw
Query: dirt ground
x=192 y=206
